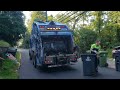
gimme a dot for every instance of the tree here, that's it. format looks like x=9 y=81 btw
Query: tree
x=36 y=15
x=115 y=21
x=12 y=26
x=26 y=39
x=84 y=38
x=50 y=18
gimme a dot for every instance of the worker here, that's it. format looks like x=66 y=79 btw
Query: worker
x=95 y=48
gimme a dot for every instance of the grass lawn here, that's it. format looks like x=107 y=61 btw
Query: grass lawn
x=18 y=56
x=9 y=68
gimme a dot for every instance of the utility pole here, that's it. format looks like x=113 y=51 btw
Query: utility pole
x=46 y=17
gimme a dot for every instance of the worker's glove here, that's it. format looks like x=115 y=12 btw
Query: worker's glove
x=94 y=51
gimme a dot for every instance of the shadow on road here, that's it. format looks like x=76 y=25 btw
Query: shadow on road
x=57 y=69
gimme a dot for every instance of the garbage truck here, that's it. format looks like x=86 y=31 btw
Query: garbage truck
x=52 y=45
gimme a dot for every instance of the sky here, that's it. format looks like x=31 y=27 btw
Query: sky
x=27 y=14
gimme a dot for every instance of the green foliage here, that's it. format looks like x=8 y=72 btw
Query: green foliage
x=25 y=43
x=35 y=15
x=4 y=44
x=9 y=68
x=97 y=22
x=116 y=44
x=12 y=26
x=50 y=18
x=84 y=38
x=18 y=56
x=109 y=53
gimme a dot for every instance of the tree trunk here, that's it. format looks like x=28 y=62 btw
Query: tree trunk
x=75 y=23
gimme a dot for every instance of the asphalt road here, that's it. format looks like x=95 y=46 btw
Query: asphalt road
x=27 y=71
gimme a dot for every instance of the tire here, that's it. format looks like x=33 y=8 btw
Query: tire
x=34 y=61
x=106 y=65
x=44 y=67
x=30 y=58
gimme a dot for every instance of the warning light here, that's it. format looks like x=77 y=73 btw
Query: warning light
x=62 y=26
x=41 y=26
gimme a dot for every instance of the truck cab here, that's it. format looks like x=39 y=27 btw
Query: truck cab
x=52 y=45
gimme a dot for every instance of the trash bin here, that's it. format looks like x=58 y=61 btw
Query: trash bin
x=89 y=67
x=117 y=61
x=103 y=58
x=117 y=48
x=12 y=51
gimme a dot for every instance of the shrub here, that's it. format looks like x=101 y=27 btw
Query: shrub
x=84 y=38
x=4 y=44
